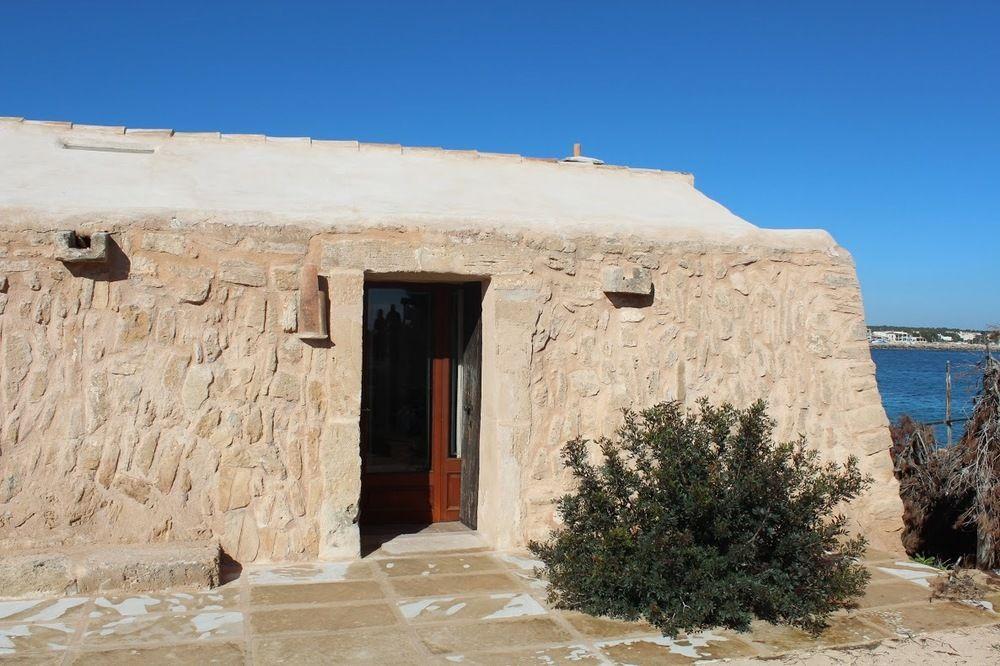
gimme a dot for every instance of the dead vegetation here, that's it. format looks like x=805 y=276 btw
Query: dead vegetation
x=951 y=495
x=978 y=469
x=961 y=585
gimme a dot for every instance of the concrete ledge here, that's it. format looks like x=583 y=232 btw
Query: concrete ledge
x=131 y=568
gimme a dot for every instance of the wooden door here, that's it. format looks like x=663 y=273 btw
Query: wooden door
x=470 y=371
x=411 y=462
x=446 y=466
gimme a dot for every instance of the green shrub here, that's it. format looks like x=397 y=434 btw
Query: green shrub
x=699 y=519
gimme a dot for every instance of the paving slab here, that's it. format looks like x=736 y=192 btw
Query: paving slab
x=426 y=586
x=66 y=609
x=379 y=646
x=772 y=640
x=315 y=572
x=606 y=628
x=215 y=653
x=682 y=650
x=562 y=654
x=440 y=564
x=45 y=636
x=893 y=592
x=169 y=628
x=444 y=638
x=322 y=618
x=317 y=593
x=106 y=608
x=500 y=606
x=909 y=620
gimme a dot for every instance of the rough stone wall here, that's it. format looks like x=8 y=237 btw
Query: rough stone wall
x=168 y=398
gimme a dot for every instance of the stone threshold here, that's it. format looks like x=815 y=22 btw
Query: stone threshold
x=110 y=568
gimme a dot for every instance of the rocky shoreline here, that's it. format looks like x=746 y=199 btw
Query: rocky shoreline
x=950 y=346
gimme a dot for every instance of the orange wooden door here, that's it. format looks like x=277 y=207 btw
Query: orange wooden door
x=411 y=472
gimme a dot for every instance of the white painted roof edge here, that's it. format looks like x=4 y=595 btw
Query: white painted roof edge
x=73 y=130
x=61 y=169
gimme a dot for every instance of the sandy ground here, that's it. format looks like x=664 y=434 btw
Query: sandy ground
x=979 y=645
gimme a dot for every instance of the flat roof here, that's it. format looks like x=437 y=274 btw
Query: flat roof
x=61 y=168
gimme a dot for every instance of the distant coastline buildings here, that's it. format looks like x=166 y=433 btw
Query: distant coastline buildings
x=882 y=336
x=893 y=337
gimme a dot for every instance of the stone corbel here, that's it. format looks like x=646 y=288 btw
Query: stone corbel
x=74 y=249
x=636 y=281
x=314 y=322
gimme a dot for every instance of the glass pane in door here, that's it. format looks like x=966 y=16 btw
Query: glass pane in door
x=398 y=338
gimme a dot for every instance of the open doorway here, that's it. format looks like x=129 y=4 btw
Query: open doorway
x=420 y=404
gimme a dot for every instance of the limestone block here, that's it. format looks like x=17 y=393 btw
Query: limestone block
x=196 y=386
x=10 y=486
x=739 y=282
x=618 y=280
x=207 y=423
x=143 y=266
x=16 y=363
x=585 y=382
x=98 y=401
x=284 y=386
x=341 y=473
x=109 y=464
x=168 y=243
x=170 y=460
x=242 y=272
x=136 y=568
x=234 y=487
x=314 y=312
x=135 y=326
x=285 y=278
x=195 y=287
x=72 y=249
x=133 y=487
x=290 y=315
x=240 y=538
x=631 y=315
x=30 y=575
x=254 y=425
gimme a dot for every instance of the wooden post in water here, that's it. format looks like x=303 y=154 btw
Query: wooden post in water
x=947 y=398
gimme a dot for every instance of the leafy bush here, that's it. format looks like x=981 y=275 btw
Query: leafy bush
x=699 y=519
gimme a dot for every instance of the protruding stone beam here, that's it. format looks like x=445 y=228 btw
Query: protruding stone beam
x=74 y=249
x=313 y=310
x=616 y=280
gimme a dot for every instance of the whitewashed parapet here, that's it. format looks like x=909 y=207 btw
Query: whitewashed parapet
x=618 y=280
x=73 y=249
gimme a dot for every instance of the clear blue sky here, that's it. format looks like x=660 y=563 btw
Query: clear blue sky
x=878 y=121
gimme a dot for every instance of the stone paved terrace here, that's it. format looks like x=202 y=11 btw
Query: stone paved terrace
x=437 y=597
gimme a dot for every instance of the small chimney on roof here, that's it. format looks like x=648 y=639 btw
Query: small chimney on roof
x=580 y=158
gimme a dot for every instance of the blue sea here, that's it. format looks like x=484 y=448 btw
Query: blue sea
x=912 y=381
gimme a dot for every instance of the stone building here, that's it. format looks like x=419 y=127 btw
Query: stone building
x=269 y=341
